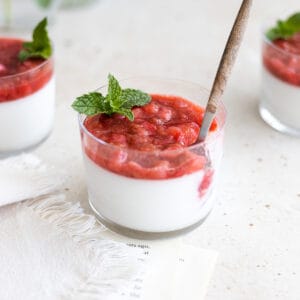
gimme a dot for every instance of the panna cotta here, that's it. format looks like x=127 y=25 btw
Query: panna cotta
x=150 y=174
x=27 y=95
x=280 y=95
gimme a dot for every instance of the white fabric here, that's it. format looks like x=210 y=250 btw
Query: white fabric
x=25 y=176
x=50 y=249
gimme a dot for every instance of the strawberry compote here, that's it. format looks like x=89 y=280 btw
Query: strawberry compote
x=150 y=174
x=280 y=101
x=166 y=124
x=282 y=59
x=26 y=98
x=35 y=72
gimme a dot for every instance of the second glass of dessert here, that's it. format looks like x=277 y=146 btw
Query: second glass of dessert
x=146 y=172
x=280 y=98
x=27 y=91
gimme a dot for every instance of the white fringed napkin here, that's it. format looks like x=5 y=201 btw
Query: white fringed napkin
x=25 y=176
x=51 y=249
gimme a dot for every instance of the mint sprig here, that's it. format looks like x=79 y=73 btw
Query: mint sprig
x=44 y=3
x=117 y=100
x=285 y=28
x=40 y=45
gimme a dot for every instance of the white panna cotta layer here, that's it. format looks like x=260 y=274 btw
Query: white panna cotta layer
x=147 y=205
x=281 y=100
x=27 y=121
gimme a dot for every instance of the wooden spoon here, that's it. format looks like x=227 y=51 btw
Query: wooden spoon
x=225 y=66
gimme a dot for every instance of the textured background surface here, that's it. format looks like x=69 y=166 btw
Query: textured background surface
x=256 y=222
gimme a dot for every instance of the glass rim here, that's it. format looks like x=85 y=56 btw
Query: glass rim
x=209 y=140
x=32 y=70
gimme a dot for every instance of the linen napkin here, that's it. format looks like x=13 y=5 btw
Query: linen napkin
x=25 y=176
x=51 y=249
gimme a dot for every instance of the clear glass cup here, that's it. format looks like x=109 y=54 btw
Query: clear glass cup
x=25 y=14
x=280 y=88
x=27 y=103
x=158 y=200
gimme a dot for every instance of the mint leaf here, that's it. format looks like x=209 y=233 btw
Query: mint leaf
x=285 y=29
x=131 y=97
x=126 y=112
x=114 y=92
x=116 y=101
x=40 y=45
x=294 y=22
x=91 y=104
x=44 y=3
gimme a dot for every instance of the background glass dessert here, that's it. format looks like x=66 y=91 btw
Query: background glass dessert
x=280 y=95
x=151 y=188
x=27 y=95
x=24 y=14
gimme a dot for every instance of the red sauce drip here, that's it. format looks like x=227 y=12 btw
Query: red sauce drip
x=161 y=131
x=283 y=61
x=24 y=83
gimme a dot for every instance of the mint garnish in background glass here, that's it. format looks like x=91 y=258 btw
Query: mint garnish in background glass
x=74 y=3
x=44 y=3
x=40 y=45
x=285 y=28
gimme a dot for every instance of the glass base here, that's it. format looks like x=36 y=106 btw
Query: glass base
x=143 y=235
x=30 y=148
x=275 y=123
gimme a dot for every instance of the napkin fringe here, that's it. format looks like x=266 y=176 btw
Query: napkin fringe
x=117 y=264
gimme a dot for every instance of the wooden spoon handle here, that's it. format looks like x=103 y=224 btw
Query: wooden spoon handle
x=229 y=56
x=225 y=66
